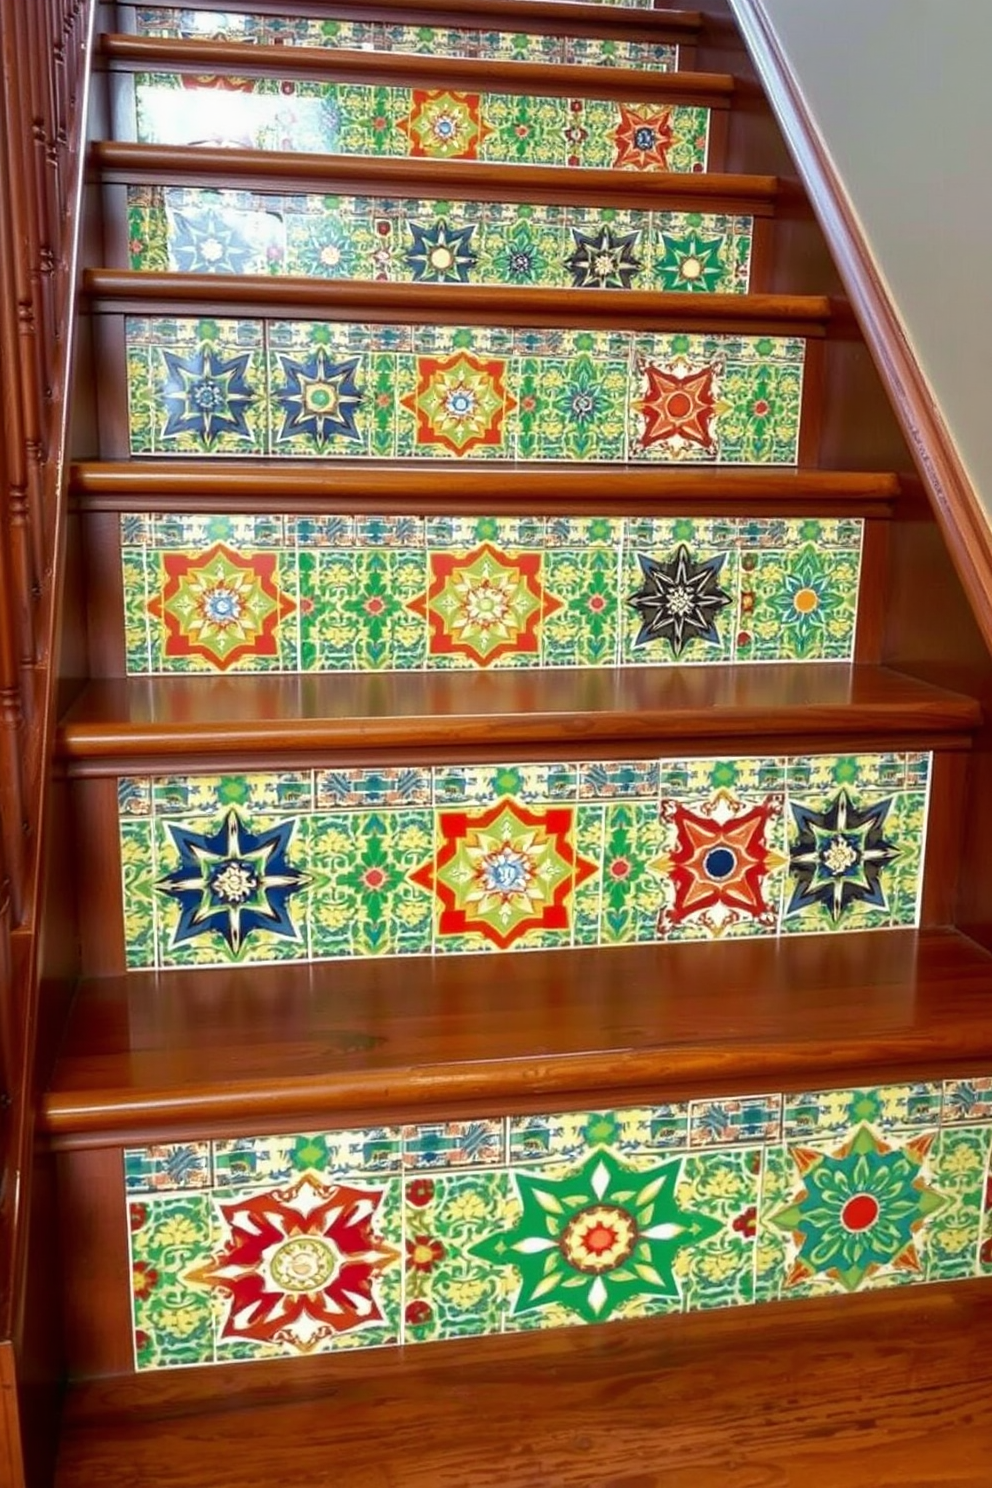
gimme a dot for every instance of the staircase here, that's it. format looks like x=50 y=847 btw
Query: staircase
x=521 y=813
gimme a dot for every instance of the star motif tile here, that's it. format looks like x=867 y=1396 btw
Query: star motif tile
x=677 y=408
x=318 y=400
x=720 y=864
x=445 y=125
x=642 y=137
x=679 y=600
x=461 y=402
x=220 y=606
x=605 y=259
x=690 y=263
x=485 y=604
x=503 y=872
x=839 y=856
x=207 y=396
x=439 y=253
x=232 y=882
x=596 y=1236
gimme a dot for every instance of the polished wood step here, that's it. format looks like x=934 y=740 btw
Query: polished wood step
x=130 y=163
x=883 y=1390
x=134 y=723
x=385 y=69
x=200 y=1051
x=143 y=293
x=281 y=486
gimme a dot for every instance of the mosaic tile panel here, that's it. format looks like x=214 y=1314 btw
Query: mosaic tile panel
x=324 y=390
x=352 y=118
x=429 y=41
x=195 y=230
x=264 y=1247
x=330 y=864
x=346 y=593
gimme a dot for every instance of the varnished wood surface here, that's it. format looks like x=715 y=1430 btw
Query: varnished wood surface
x=130 y=485
x=155 y=1052
x=885 y=1390
x=399 y=69
x=131 y=163
x=671 y=706
x=136 y=290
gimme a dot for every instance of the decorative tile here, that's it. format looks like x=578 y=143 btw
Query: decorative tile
x=329 y=389
x=303 y=865
x=169 y=1165
x=431 y=41
x=351 y=118
x=203 y=595
x=314 y=1242
x=197 y=230
x=968 y=1101
x=829 y=1113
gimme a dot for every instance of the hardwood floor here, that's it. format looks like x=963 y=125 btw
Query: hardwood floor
x=892 y=1390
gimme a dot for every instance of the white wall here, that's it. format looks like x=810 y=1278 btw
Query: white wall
x=900 y=92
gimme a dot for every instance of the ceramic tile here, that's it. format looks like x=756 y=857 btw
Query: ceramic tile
x=196 y=230
x=968 y=1101
x=301 y=865
x=349 y=118
x=319 y=389
x=203 y=594
x=381 y=36
x=827 y=1113
x=585 y=1217
x=731 y=1123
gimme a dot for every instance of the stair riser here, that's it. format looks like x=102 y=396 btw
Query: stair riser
x=435 y=122
x=401 y=593
x=444 y=393
x=382 y=35
x=341 y=863
x=500 y=1225
x=200 y=230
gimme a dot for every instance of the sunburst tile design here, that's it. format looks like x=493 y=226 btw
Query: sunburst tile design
x=416 y=240
x=310 y=1242
x=364 y=119
x=308 y=593
x=330 y=864
x=434 y=41
x=330 y=389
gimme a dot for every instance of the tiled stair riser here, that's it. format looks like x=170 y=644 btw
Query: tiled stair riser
x=435 y=123
x=330 y=389
x=332 y=864
x=254 y=1248
x=404 y=593
x=384 y=36
x=197 y=231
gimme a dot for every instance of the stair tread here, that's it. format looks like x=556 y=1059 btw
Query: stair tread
x=728 y=1398
x=191 y=164
x=126 y=288
x=139 y=716
x=148 y=1050
x=711 y=89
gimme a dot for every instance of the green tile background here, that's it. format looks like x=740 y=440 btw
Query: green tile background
x=359 y=835
x=362 y=119
x=450 y=1187
x=195 y=230
x=575 y=391
x=433 y=41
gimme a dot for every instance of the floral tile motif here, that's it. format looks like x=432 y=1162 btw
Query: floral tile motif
x=431 y=41
x=218 y=593
x=313 y=1242
x=328 y=390
x=320 y=865
x=364 y=119
x=196 y=230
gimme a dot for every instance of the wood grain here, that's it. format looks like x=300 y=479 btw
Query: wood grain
x=200 y=165
x=877 y=1391
x=399 y=69
x=673 y=708
x=148 y=1053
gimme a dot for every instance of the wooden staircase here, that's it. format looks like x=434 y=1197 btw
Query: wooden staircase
x=515 y=850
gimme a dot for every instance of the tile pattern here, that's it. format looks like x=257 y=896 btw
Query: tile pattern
x=354 y=118
x=261 y=1247
x=430 y=41
x=193 y=230
x=322 y=390
x=336 y=863
x=212 y=593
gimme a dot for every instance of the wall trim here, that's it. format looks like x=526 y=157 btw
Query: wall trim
x=963 y=521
